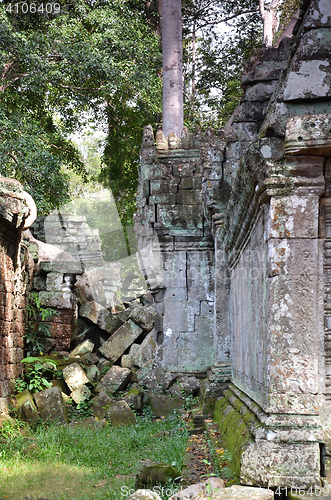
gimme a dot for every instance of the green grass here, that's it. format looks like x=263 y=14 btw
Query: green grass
x=85 y=464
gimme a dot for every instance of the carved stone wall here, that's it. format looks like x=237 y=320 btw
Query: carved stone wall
x=276 y=237
x=170 y=211
x=266 y=195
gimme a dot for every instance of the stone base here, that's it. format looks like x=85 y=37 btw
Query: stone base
x=269 y=450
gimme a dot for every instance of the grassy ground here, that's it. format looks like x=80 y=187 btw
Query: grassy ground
x=83 y=464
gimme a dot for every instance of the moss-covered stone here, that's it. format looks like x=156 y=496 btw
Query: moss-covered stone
x=234 y=420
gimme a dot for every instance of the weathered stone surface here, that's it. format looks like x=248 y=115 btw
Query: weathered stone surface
x=204 y=491
x=144 y=370
x=144 y=495
x=155 y=473
x=46 y=344
x=54 y=282
x=185 y=139
x=87 y=423
x=116 y=379
x=153 y=380
x=260 y=91
x=318 y=15
x=300 y=85
x=80 y=394
x=143 y=317
x=308 y=135
x=213 y=387
x=302 y=460
x=120 y=414
x=85 y=347
x=134 y=401
x=74 y=376
x=26 y=407
x=147 y=350
x=163 y=406
x=100 y=316
x=51 y=406
x=90 y=359
x=266 y=70
x=185 y=386
x=127 y=359
x=117 y=344
x=93 y=374
x=161 y=141
x=100 y=404
x=59 y=300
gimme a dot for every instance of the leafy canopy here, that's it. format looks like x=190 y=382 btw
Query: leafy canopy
x=94 y=61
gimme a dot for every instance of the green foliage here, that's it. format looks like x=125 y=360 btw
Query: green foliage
x=227 y=34
x=10 y=430
x=84 y=408
x=287 y=10
x=190 y=401
x=74 y=460
x=36 y=326
x=34 y=379
x=94 y=61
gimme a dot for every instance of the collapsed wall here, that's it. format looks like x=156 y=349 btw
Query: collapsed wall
x=17 y=212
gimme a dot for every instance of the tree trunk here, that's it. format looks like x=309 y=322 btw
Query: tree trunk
x=172 y=51
x=270 y=21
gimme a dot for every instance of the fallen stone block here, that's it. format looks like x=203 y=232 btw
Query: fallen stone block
x=142 y=317
x=145 y=370
x=185 y=386
x=62 y=386
x=100 y=316
x=93 y=373
x=100 y=404
x=118 y=343
x=144 y=495
x=46 y=344
x=163 y=406
x=85 y=347
x=127 y=359
x=156 y=473
x=26 y=407
x=146 y=351
x=153 y=381
x=51 y=406
x=81 y=394
x=116 y=379
x=104 y=364
x=134 y=401
x=134 y=397
x=120 y=414
x=90 y=359
x=74 y=376
x=201 y=491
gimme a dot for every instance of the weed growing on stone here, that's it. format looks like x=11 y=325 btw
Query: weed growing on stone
x=35 y=380
x=37 y=327
x=67 y=463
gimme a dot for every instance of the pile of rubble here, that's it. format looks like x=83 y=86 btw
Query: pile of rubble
x=118 y=375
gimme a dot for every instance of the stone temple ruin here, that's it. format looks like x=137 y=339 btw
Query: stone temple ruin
x=242 y=220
